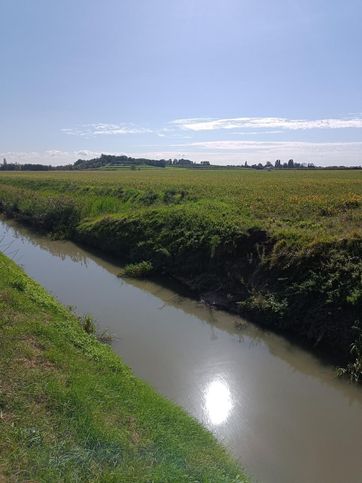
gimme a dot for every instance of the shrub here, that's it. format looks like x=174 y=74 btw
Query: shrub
x=137 y=270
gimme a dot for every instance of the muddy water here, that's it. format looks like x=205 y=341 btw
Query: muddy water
x=280 y=412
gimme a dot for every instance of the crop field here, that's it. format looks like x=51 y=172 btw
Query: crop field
x=312 y=205
x=282 y=247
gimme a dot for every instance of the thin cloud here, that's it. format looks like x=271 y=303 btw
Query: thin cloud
x=198 y=124
x=256 y=133
x=105 y=129
x=276 y=145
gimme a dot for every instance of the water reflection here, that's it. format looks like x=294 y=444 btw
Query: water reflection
x=218 y=402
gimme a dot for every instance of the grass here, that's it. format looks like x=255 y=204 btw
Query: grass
x=70 y=410
x=283 y=248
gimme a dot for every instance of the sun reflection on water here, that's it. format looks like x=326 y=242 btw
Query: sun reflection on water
x=217 y=401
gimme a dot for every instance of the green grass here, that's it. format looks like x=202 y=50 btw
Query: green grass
x=283 y=248
x=70 y=410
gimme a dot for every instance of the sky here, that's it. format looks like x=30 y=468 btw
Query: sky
x=227 y=81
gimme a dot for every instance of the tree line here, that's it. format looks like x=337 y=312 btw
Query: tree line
x=109 y=160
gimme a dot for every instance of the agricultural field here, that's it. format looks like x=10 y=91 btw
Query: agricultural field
x=282 y=247
x=312 y=205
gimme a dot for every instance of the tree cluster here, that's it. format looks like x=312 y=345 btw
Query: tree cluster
x=5 y=166
x=291 y=164
x=109 y=160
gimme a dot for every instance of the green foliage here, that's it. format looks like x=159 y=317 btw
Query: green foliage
x=87 y=323
x=57 y=214
x=138 y=270
x=354 y=368
x=18 y=284
x=266 y=304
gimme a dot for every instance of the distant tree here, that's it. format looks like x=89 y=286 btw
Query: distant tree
x=110 y=160
x=291 y=163
x=34 y=167
x=268 y=164
x=278 y=163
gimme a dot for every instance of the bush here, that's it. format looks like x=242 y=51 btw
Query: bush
x=137 y=270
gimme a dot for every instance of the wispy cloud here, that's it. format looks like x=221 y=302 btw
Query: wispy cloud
x=249 y=126
x=240 y=145
x=198 y=124
x=257 y=133
x=104 y=129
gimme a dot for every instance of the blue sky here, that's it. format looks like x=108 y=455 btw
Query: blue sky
x=227 y=80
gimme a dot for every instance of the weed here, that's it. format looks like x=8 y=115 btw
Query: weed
x=138 y=270
x=87 y=323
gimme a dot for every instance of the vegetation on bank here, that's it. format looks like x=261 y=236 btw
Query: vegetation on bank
x=282 y=247
x=70 y=410
x=137 y=270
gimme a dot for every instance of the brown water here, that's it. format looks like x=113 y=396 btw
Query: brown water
x=279 y=411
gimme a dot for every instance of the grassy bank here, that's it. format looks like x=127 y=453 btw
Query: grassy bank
x=70 y=410
x=283 y=248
